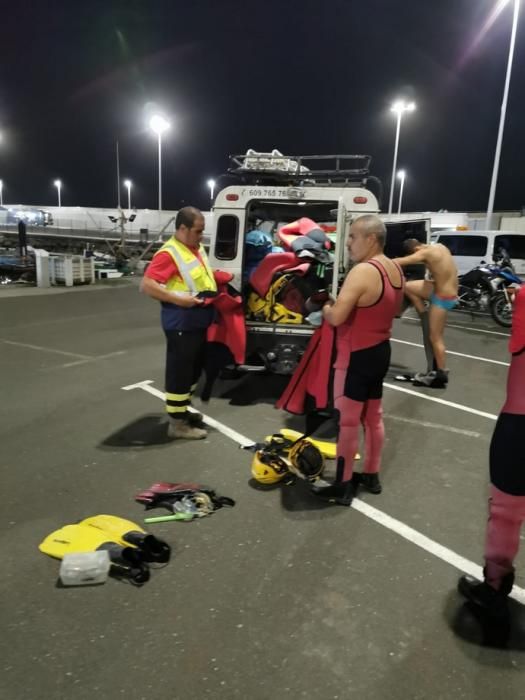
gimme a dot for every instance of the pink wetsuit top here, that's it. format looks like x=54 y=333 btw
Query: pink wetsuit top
x=367 y=326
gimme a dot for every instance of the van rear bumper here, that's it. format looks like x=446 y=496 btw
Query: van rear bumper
x=276 y=348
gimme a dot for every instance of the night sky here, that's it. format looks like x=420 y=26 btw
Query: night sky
x=303 y=76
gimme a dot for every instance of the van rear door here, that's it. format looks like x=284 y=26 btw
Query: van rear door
x=397 y=232
x=340 y=246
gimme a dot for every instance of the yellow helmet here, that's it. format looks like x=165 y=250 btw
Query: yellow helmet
x=268 y=467
x=306 y=460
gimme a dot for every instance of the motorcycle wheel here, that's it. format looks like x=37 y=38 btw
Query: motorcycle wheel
x=501 y=310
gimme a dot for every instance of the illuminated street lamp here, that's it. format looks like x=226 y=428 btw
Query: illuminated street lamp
x=495 y=169
x=211 y=185
x=58 y=185
x=159 y=125
x=127 y=184
x=1 y=193
x=401 y=175
x=399 y=108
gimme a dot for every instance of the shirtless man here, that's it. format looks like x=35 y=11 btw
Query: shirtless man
x=441 y=291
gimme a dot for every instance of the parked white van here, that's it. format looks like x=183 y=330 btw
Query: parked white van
x=472 y=248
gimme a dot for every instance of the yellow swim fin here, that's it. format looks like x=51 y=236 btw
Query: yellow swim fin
x=125 y=532
x=73 y=538
x=127 y=562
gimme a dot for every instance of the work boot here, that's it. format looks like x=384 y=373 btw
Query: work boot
x=436 y=379
x=371 y=483
x=481 y=594
x=182 y=429
x=341 y=493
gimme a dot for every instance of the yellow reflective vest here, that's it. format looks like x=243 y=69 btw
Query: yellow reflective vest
x=194 y=276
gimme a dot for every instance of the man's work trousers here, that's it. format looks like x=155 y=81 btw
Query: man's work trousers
x=185 y=354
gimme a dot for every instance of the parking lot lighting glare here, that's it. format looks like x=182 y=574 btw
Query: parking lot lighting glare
x=58 y=185
x=399 y=108
x=211 y=185
x=159 y=125
x=401 y=175
x=127 y=184
x=499 y=141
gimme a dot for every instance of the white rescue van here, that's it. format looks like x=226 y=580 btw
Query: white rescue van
x=264 y=191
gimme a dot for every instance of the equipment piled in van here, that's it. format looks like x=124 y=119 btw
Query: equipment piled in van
x=280 y=286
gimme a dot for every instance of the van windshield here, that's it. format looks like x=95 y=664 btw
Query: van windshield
x=465 y=244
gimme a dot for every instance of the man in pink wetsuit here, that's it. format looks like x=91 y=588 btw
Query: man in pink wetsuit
x=507 y=477
x=369 y=299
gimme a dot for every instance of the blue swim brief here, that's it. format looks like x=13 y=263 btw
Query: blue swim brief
x=446 y=303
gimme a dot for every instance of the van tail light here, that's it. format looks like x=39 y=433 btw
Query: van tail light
x=360 y=200
x=232 y=197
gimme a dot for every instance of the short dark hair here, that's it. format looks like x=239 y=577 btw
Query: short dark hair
x=186 y=217
x=410 y=245
x=372 y=225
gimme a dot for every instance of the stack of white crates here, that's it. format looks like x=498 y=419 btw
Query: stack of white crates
x=71 y=269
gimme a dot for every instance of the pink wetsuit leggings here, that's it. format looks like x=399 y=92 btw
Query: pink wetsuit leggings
x=506 y=516
x=353 y=414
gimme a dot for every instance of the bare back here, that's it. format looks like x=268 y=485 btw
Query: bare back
x=442 y=267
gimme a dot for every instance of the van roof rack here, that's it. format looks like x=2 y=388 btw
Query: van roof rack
x=276 y=168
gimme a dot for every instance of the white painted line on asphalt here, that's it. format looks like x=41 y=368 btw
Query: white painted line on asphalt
x=405 y=531
x=224 y=429
x=94 y=358
x=437 y=426
x=39 y=347
x=464 y=328
x=444 y=402
x=443 y=553
x=450 y=352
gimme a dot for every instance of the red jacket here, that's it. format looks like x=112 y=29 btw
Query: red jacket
x=312 y=376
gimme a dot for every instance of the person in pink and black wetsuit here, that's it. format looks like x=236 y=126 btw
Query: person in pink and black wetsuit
x=507 y=478
x=369 y=299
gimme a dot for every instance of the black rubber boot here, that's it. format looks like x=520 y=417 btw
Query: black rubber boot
x=341 y=493
x=371 y=483
x=481 y=594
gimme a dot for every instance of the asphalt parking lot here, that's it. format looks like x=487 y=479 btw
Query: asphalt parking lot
x=278 y=597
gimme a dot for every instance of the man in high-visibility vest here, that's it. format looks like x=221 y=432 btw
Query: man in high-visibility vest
x=177 y=276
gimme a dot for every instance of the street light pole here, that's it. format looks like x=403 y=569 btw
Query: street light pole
x=401 y=175
x=159 y=125
x=211 y=185
x=495 y=169
x=58 y=185
x=399 y=108
x=118 y=178
x=160 y=170
x=127 y=184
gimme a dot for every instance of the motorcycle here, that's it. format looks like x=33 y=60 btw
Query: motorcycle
x=485 y=288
